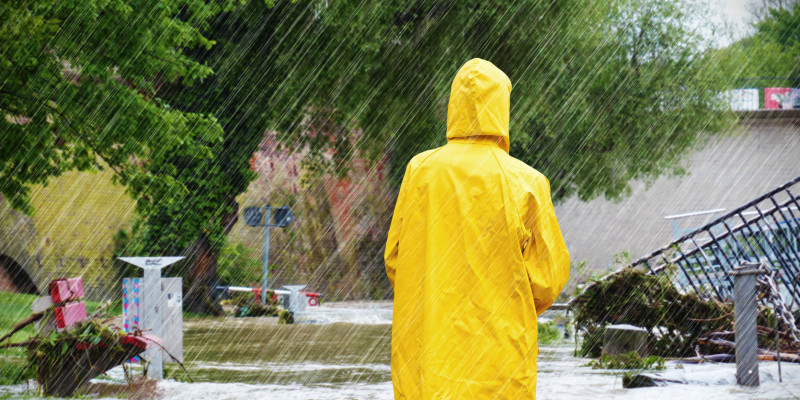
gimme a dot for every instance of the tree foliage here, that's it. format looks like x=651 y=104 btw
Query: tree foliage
x=176 y=96
x=771 y=56
x=604 y=92
x=78 y=91
x=780 y=29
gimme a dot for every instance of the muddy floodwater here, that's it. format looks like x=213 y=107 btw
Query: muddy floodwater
x=256 y=358
x=260 y=351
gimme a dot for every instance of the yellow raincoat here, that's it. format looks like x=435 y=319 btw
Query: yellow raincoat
x=474 y=253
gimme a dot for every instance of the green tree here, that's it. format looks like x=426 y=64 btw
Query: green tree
x=770 y=57
x=79 y=91
x=78 y=88
x=780 y=29
x=285 y=66
x=604 y=93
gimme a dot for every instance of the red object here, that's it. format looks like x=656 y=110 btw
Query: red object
x=313 y=298
x=66 y=289
x=143 y=342
x=772 y=97
x=257 y=293
x=69 y=314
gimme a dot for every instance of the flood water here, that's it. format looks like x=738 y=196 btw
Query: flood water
x=250 y=358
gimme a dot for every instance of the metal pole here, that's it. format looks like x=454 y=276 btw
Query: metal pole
x=265 y=272
x=151 y=297
x=778 y=344
x=744 y=303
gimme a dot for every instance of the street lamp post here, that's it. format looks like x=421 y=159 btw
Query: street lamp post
x=265 y=271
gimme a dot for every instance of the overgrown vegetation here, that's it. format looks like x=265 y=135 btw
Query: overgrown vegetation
x=238 y=265
x=674 y=320
x=285 y=317
x=630 y=360
x=62 y=361
x=178 y=116
x=549 y=333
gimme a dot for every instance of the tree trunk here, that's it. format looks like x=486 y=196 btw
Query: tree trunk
x=201 y=297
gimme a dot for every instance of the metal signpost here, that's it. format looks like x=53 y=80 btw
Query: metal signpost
x=151 y=305
x=283 y=216
x=745 y=313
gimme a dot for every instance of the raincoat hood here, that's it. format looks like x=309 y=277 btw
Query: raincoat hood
x=480 y=100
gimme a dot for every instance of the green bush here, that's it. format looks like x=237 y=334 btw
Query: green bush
x=285 y=317
x=549 y=333
x=12 y=373
x=627 y=361
x=238 y=265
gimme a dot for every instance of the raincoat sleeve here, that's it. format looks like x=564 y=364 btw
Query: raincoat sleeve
x=393 y=241
x=546 y=256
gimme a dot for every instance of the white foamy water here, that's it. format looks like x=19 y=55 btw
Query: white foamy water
x=222 y=391
x=561 y=376
x=356 y=312
x=293 y=367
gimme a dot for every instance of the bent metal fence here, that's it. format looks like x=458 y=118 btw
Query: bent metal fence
x=765 y=230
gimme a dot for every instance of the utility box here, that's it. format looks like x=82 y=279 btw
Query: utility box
x=295 y=301
x=623 y=339
x=171 y=313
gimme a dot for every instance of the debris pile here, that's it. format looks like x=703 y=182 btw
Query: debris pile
x=679 y=324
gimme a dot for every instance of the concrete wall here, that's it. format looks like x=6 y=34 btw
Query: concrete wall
x=726 y=172
x=70 y=232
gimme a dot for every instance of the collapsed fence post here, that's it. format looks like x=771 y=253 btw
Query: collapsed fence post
x=745 y=311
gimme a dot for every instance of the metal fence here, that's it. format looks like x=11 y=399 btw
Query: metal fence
x=766 y=229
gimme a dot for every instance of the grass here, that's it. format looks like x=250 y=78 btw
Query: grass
x=13 y=308
x=14 y=371
x=630 y=360
x=549 y=333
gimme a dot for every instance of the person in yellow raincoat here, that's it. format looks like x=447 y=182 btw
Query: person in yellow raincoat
x=474 y=253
